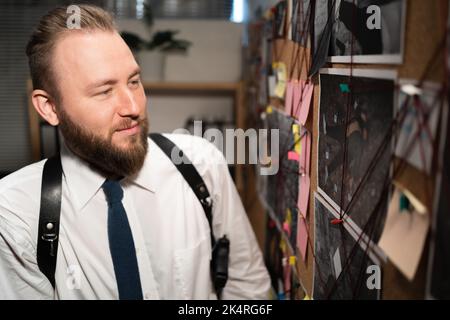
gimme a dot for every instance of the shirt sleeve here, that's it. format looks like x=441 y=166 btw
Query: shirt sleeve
x=20 y=277
x=247 y=274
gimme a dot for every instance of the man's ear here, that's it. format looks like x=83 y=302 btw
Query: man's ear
x=45 y=106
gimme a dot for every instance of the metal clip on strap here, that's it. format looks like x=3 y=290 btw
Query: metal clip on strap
x=49 y=215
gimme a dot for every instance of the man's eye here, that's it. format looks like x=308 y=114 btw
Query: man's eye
x=106 y=92
x=135 y=82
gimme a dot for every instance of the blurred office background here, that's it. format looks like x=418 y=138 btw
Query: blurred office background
x=214 y=28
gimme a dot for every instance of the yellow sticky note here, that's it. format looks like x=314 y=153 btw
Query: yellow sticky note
x=282 y=246
x=269 y=109
x=289 y=216
x=280 y=70
x=296 y=132
x=292 y=260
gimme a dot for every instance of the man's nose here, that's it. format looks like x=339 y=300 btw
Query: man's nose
x=127 y=104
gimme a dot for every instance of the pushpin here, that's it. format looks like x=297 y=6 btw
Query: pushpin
x=272 y=224
x=344 y=88
x=281 y=295
x=336 y=221
x=263 y=116
x=404 y=203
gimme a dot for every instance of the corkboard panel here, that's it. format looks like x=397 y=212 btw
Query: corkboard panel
x=424 y=35
x=306 y=268
x=296 y=58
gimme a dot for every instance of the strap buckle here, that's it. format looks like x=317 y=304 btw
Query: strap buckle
x=51 y=238
x=206 y=202
x=219 y=263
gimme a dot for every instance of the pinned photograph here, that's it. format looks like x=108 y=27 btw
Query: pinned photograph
x=355 y=148
x=344 y=268
x=323 y=23
x=300 y=21
x=368 y=31
x=417 y=134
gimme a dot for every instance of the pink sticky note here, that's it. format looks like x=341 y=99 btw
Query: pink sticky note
x=297 y=97
x=305 y=104
x=302 y=237
x=292 y=155
x=288 y=98
x=287 y=228
x=304 y=179
x=303 y=197
x=305 y=157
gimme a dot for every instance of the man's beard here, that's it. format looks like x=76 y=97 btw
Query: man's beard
x=101 y=153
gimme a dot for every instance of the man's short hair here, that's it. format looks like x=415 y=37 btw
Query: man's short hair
x=50 y=28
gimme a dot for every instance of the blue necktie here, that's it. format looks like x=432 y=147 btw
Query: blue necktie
x=121 y=244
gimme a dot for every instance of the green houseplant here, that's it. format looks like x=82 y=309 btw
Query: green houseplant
x=151 y=53
x=161 y=40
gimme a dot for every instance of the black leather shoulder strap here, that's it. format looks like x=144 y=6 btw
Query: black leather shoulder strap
x=49 y=214
x=190 y=174
x=221 y=247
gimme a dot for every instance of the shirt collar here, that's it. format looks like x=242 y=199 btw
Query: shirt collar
x=83 y=182
x=146 y=177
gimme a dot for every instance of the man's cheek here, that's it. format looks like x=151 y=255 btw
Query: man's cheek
x=143 y=103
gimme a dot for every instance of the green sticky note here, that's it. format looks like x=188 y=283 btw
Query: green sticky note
x=344 y=88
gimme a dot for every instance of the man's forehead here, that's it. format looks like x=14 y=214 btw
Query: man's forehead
x=93 y=55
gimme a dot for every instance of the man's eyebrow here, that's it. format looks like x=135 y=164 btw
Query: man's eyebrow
x=136 y=72
x=101 y=83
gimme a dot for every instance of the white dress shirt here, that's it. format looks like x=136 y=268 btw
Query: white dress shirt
x=170 y=231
